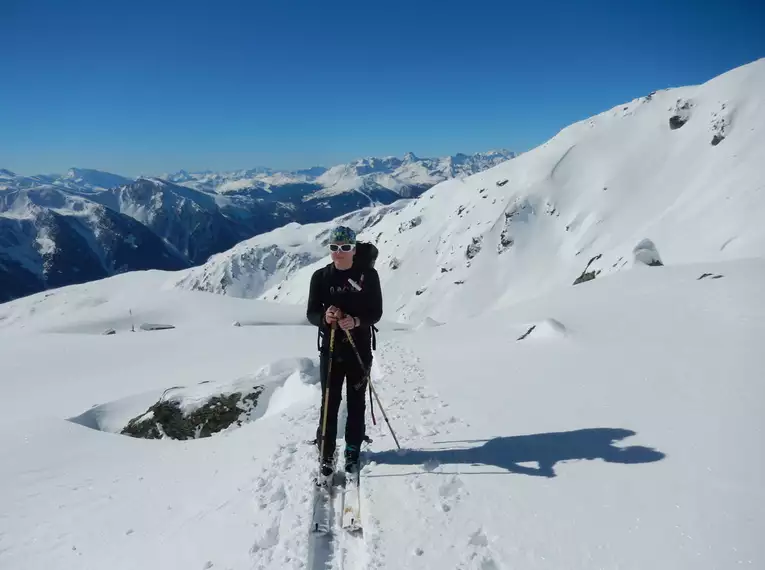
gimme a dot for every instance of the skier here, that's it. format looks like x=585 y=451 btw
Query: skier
x=344 y=295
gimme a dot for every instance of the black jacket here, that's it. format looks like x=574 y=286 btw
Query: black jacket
x=331 y=286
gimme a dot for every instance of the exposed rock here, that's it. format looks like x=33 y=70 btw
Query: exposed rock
x=413 y=223
x=681 y=113
x=546 y=329
x=505 y=241
x=588 y=275
x=676 y=121
x=527 y=333
x=721 y=124
x=473 y=248
x=520 y=211
x=155 y=327
x=166 y=419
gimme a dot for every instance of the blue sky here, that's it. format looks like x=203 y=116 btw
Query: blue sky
x=137 y=87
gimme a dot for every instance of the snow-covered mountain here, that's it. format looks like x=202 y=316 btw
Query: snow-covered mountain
x=76 y=179
x=674 y=177
x=198 y=215
x=82 y=178
x=406 y=177
x=50 y=237
x=262 y=263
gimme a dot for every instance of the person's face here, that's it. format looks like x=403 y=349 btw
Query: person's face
x=342 y=251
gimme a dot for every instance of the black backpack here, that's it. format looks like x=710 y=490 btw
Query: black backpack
x=366 y=254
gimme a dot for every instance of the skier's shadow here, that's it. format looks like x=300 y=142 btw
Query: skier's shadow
x=544 y=449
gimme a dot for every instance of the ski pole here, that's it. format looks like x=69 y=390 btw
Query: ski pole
x=326 y=393
x=369 y=378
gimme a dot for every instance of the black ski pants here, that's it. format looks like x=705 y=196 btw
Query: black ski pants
x=344 y=370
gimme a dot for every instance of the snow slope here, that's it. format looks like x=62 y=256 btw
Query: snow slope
x=586 y=199
x=624 y=430
x=262 y=263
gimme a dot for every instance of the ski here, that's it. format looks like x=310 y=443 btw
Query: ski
x=351 y=504
x=321 y=520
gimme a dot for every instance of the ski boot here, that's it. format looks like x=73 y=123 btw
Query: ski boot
x=351 y=459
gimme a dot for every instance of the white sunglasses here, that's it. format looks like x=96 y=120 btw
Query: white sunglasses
x=346 y=247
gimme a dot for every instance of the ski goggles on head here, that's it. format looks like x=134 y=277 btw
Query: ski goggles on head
x=346 y=247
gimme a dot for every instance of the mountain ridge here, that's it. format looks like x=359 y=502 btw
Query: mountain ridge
x=195 y=217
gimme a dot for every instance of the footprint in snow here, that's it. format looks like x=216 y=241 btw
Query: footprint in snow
x=267 y=540
x=260 y=483
x=279 y=495
x=450 y=492
x=452 y=487
x=478 y=553
x=478 y=538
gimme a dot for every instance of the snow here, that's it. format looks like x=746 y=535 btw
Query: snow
x=626 y=430
x=616 y=423
x=264 y=262
x=46 y=245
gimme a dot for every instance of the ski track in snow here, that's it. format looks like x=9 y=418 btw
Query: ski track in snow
x=283 y=504
x=284 y=507
x=401 y=377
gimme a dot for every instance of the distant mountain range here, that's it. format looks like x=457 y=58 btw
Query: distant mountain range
x=62 y=229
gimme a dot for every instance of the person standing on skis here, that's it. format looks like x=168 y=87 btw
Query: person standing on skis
x=344 y=296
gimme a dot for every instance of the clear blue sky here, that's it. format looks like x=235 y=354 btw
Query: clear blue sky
x=147 y=87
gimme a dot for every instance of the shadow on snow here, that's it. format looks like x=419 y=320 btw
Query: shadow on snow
x=545 y=449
